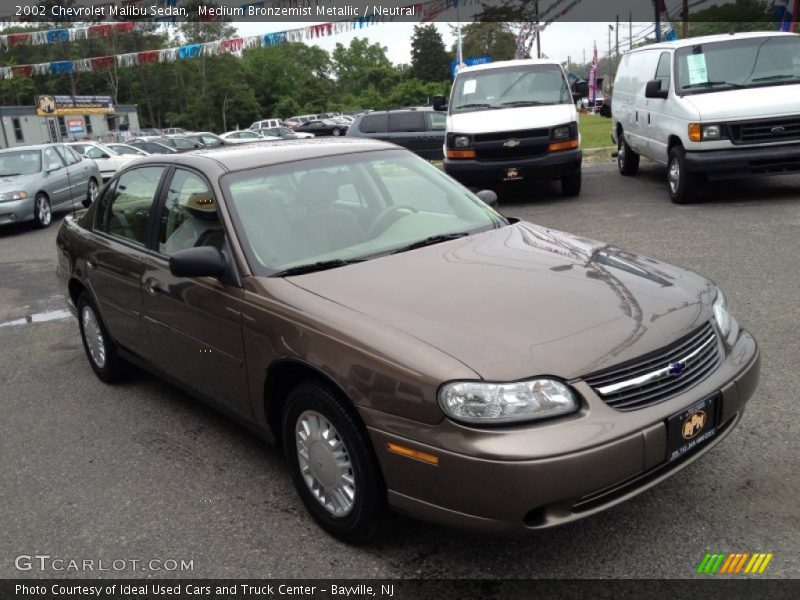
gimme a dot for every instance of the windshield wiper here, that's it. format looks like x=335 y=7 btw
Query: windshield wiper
x=430 y=241
x=523 y=103
x=710 y=83
x=474 y=105
x=774 y=78
x=317 y=266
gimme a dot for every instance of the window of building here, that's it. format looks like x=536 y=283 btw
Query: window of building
x=17 y=130
x=88 y=120
x=62 y=127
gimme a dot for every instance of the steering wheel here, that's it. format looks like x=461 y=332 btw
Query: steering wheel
x=384 y=218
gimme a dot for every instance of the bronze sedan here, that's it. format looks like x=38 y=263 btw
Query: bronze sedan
x=406 y=344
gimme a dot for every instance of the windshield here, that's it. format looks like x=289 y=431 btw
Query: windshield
x=20 y=162
x=738 y=63
x=346 y=208
x=524 y=85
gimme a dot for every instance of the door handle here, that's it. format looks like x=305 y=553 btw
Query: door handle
x=91 y=264
x=152 y=287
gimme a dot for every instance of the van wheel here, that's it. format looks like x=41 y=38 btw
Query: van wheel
x=332 y=463
x=571 y=184
x=682 y=184
x=627 y=159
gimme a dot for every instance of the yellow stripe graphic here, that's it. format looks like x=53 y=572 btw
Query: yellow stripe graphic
x=767 y=558
x=741 y=562
x=758 y=562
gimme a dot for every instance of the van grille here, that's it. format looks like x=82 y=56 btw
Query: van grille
x=770 y=130
x=522 y=134
x=660 y=375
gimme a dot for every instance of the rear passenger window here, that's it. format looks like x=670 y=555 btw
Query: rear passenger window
x=437 y=121
x=663 y=71
x=406 y=121
x=374 y=124
x=125 y=210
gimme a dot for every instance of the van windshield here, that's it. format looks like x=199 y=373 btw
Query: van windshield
x=506 y=87
x=738 y=63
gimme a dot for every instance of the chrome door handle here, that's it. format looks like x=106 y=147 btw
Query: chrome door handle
x=152 y=287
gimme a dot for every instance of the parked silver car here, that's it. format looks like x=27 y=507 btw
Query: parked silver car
x=37 y=180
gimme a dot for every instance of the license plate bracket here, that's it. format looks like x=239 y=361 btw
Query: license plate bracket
x=692 y=427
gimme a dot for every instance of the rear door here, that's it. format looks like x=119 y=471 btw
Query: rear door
x=407 y=129
x=56 y=180
x=195 y=324
x=116 y=263
x=78 y=168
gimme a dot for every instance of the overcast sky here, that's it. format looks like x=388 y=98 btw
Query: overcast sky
x=559 y=40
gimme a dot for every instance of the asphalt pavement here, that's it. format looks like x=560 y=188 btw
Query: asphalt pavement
x=141 y=471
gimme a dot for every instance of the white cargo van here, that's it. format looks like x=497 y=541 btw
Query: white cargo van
x=512 y=121
x=710 y=108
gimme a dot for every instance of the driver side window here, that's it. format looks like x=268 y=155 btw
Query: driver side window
x=189 y=217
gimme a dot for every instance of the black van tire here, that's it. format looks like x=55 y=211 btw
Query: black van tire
x=571 y=184
x=627 y=159
x=682 y=185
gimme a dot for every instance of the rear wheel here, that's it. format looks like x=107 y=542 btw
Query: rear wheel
x=42 y=214
x=92 y=191
x=332 y=463
x=337 y=132
x=571 y=184
x=100 y=349
x=627 y=159
x=682 y=185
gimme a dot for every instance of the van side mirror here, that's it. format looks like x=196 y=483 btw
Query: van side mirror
x=576 y=97
x=202 y=261
x=489 y=197
x=653 y=90
x=439 y=103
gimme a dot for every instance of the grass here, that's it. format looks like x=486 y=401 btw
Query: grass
x=595 y=131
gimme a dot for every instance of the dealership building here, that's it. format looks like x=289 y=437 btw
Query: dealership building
x=66 y=118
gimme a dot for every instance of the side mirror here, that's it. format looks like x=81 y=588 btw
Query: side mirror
x=576 y=97
x=203 y=261
x=653 y=90
x=439 y=103
x=489 y=197
x=53 y=166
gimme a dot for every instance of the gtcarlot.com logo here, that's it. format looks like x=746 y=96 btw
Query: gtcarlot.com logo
x=734 y=563
x=45 y=562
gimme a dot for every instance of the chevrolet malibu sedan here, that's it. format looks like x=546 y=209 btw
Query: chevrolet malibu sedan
x=35 y=181
x=405 y=344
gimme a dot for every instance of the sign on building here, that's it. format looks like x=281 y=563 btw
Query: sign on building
x=57 y=106
x=75 y=125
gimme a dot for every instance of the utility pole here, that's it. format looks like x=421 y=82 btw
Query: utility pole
x=538 y=32
x=610 y=29
x=656 y=4
x=685 y=17
x=616 y=47
x=630 y=30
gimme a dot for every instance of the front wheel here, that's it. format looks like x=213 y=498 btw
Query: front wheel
x=332 y=463
x=627 y=159
x=42 y=214
x=682 y=184
x=92 y=191
x=337 y=132
x=571 y=184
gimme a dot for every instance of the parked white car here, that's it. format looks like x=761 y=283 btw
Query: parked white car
x=109 y=161
x=244 y=136
x=710 y=108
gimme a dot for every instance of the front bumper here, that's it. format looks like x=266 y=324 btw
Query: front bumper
x=491 y=489
x=16 y=211
x=551 y=165
x=738 y=162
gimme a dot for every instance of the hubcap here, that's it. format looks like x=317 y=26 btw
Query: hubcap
x=94 y=337
x=43 y=210
x=621 y=153
x=325 y=463
x=674 y=176
x=92 y=191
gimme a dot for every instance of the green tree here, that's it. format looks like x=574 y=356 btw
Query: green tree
x=429 y=58
x=362 y=65
x=742 y=15
x=495 y=39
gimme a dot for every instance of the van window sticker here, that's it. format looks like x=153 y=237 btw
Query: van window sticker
x=469 y=86
x=698 y=71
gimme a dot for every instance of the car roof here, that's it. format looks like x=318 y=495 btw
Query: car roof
x=261 y=154
x=33 y=147
x=707 y=39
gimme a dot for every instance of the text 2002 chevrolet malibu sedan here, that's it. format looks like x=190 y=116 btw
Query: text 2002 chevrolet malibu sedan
x=406 y=344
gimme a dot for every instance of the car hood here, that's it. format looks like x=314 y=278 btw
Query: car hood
x=748 y=103
x=510 y=119
x=525 y=300
x=17 y=182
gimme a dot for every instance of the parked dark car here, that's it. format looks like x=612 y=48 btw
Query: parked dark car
x=322 y=128
x=405 y=343
x=421 y=131
x=152 y=147
x=180 y=143
x=206 y=139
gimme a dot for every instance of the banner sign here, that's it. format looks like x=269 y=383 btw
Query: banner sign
x=56 y=106
x=469 y=61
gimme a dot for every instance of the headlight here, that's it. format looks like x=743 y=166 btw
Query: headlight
x=481 y=402
x=561 y=133
x=8 y=196
x=461 y=141
x=712 y=132
x=721 y=314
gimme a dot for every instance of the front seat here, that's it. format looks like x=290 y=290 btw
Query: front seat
x=323 y=227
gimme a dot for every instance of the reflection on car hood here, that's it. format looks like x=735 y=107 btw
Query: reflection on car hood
x=525 y=300
x=15 y=183
x=510 y=119
x=761 y=102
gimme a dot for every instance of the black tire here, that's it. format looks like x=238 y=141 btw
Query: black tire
x=627 y=159
x=42 y=212
x=92 y=190
x=308 y=401
x=111 y=368
x=337 y=132
x=571 y=184
x=682 y=185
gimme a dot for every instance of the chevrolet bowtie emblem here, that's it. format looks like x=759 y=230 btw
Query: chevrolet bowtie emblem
x=512 y=143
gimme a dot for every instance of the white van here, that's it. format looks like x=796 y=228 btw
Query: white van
x=714 y=107
x=512 y=121
x=267 y=124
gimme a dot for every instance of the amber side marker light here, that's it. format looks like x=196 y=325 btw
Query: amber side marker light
x=569 y=145
x=695 y=132
x=403 y=451
x=461 y=154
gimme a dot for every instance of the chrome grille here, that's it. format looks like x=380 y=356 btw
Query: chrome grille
x=661 y=374
x=768 y=130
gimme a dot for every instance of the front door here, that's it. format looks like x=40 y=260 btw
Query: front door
x=195 y=324
x=56 y=177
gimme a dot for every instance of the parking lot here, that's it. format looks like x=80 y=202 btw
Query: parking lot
x=143 y=471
